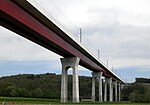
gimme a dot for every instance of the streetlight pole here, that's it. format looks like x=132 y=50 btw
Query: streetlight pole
x=80 y=32
x=98 y=54
x=107 y=63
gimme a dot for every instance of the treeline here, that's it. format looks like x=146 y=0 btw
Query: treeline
x=49 y=86
x=142 y=80
x=41 y=86
x=138 y=91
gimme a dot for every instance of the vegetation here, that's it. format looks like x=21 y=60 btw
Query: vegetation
x=142 y=80
x=138 y=91
x=40 y=101
x=20 y=100
x=47 y=86
x=40 y=86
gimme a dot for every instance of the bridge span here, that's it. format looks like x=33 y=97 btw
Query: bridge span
x=23 y=18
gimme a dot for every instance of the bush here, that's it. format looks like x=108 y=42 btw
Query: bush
x=147 y=95
x=136 y=97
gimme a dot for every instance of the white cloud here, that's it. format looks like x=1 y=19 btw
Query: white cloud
x=123 y=45
x=118 y=28
x=15 y=47
x=85 y=11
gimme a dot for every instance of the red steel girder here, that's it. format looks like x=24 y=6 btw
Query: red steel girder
x=17 y=19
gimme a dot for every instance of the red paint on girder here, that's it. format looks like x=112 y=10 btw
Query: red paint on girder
x=23 y=17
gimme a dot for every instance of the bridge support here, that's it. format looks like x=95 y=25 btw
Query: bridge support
x=96 y=75
x=93 y=87
x=67 y=63
x=100 y=87
x=119 y=88
x=110 y=90
x=116 y=91
x=105 y=90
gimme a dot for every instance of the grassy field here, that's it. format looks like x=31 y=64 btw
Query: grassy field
x=39 y=101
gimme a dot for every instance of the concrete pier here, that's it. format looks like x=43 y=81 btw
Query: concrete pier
x=93 y=87
x=71 y=62
x=116 y=91
x=100 y=88
x=119 y=91
x=105 y=90
x=110 y=90
x=97 y=75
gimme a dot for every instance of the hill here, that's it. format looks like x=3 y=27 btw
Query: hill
x=138 y=91
x=48 y=86
x=40 y=86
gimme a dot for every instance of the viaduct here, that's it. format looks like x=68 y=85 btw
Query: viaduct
x=24 y=19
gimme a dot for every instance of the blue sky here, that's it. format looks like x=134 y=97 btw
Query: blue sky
x=34 y=67
x=118 y=28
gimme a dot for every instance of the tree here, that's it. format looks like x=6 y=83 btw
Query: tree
x=22 y=92
x=38 y=93
x=147 y=94
x=12 y=91
x=133 y=92
x=142 y=80
x=136 y=97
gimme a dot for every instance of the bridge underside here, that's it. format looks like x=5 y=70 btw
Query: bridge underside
x=22 y=18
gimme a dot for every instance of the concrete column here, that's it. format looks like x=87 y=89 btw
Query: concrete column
x=99 y=76
x=64 y=86
x=100 y=87
x=119 y=88
x=110 y=90
x=75 y=89
x=116 y=91
x=93 y=87
x=105 y=90
x=67 y=63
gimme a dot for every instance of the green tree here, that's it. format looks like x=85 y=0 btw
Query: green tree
x=37 y=93
x=147 y=94
x=12 y=91
x=136 y=97
x=22 y=92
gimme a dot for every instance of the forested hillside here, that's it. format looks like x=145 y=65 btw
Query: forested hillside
x=138 y=91
x=48 y=86
x=42 y=85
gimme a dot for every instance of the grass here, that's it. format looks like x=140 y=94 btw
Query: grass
x=37 y=101
x=28 y=100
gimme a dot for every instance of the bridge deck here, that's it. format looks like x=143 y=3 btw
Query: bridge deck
x=22 y=18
